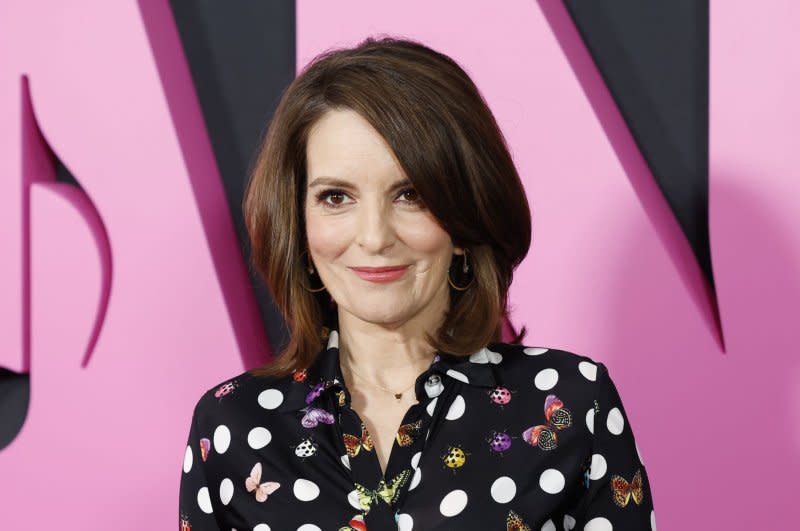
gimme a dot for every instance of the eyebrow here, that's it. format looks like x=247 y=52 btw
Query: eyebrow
x=333 y=181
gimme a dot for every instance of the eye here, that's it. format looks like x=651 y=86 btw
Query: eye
x=335 y=195
x=411 y=196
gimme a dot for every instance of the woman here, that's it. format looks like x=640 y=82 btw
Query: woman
x=387 y=217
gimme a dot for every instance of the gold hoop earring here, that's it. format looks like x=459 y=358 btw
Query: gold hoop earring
x=465 y=270
x=310 y=270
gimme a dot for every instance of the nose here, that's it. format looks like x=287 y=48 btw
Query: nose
x=375 y=227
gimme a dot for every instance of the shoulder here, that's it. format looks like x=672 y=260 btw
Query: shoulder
x=240 y=397
x=547 y=370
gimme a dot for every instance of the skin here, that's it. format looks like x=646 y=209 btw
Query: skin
x=363 y=220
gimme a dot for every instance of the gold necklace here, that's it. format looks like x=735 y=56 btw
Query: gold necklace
x=398 y=396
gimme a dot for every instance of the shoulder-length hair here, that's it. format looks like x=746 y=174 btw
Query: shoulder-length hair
x=447 y=141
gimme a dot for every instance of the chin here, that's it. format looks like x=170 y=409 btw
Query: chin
x=380 y=316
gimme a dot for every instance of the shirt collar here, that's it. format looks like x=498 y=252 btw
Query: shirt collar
x=325 y=376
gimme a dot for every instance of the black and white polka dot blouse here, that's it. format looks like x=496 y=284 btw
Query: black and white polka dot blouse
x=512 y=437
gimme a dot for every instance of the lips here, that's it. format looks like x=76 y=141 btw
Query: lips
x=380 y=274
x=378 y=269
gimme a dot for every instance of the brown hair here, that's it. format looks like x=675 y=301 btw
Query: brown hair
x=448 y=143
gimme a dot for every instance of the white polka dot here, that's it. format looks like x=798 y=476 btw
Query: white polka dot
x=222 y=438
x=546 y=379
x=456 y=409
x=598 y=467
x=590 y=420
x=457 y=375
x=453 y=503
x=485 y=356
x=261 y=527
x=415 y=459
x=431 y=406
x=187 y=459
x=653 y=520
x=270 y=398
x=503 y=489
x=535 y=351
x=333 y=339
x=598 y=524
x=615 y=421
x=204 y=500
x=405 y=522
x=258 y=438
x=226 y=491
x=305 y=490
x=638 y=453
x=346 y=460
x=308 y=527
x=352 y=499
x=551 y=481
x=588 y=370
x=549 y=526
x=415 y=479
x=569 y=523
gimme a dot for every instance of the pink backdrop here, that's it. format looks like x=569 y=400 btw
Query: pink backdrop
x=126 y=301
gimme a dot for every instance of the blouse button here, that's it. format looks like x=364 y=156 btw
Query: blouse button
x=433 y=386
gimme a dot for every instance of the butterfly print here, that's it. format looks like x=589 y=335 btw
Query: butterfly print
x=624 y=491
x=353 y=444
x=299 y=375
x=406 y=433
x=315 y=392
x=586 y=470
x=558 y=418
x=205 y=448
x=185 y=525
x=515 y=523
x=262 y=490
x=388 y=492
x=314 y=415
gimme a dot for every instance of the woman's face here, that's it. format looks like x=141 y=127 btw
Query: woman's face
x=362 y=212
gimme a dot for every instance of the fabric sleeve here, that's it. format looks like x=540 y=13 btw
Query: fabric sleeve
x=196 y=511
x=618 y=496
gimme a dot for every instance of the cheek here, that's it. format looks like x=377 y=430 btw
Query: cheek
x=324 y=237
x=428 y=239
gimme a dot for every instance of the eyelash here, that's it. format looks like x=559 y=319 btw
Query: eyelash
x=325 y=194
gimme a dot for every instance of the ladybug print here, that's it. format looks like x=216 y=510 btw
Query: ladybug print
x=306 y=448
x=500 y=396
x=455 y=458
x=226 y=389
x=499 y=442
x=356 y=524
x=529 y=446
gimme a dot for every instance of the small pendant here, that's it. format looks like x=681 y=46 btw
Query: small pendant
x=398 y=395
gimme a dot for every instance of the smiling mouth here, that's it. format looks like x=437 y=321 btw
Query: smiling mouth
x=380 y=274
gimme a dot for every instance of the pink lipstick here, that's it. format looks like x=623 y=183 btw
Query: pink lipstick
x=380 y=274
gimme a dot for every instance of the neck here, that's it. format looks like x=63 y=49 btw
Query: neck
x=390 y=357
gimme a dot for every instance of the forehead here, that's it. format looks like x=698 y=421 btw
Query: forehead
x=343 y=144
